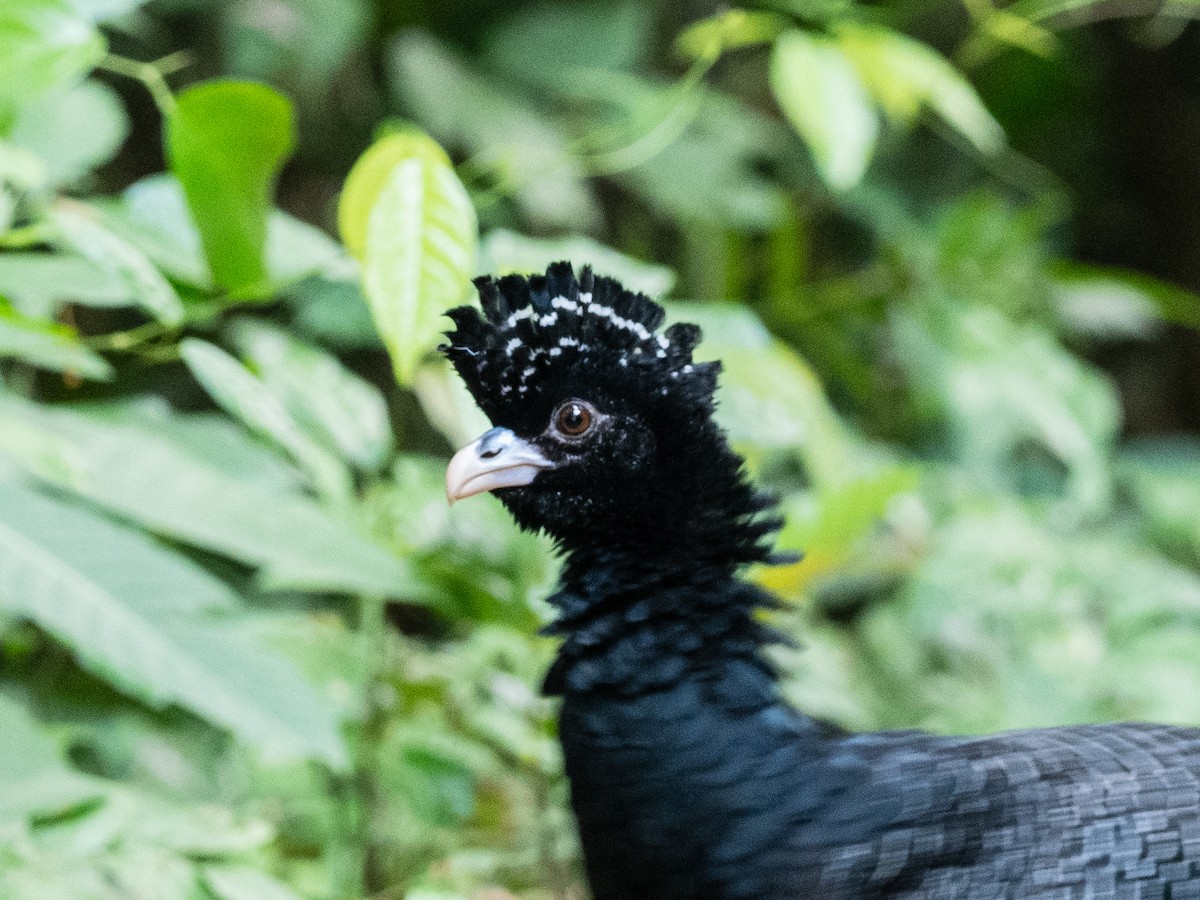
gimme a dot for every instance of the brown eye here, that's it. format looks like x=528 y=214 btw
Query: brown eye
x=573 y=418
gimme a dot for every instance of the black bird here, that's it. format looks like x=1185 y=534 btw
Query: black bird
x=690 y=778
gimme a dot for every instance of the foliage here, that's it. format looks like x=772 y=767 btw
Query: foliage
x=248 y=652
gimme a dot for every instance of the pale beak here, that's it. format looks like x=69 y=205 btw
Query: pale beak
x=499 y=459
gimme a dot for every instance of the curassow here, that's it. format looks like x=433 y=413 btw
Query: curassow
x=690 y=778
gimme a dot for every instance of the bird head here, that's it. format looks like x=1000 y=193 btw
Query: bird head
x=603 y=423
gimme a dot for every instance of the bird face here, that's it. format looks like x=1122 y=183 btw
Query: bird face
x=604 y=432
x=586 y=474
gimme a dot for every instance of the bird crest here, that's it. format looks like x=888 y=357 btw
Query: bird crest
x=542 y=336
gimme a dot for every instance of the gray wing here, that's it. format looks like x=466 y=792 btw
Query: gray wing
x=1069 y=813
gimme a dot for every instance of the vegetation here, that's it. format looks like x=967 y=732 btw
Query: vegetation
x=247 y=651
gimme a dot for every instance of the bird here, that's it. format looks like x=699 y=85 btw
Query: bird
x=690 y=777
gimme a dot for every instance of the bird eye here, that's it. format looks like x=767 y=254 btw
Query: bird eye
x=573 y=418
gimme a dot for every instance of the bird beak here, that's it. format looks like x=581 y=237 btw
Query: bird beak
x=499 y=459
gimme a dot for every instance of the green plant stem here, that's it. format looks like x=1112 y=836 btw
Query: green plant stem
x=130 y=339
x=681 y=113
x=153 y=75
x=372 y=632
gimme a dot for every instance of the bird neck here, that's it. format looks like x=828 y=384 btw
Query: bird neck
x=658 y=598
x=633 y=624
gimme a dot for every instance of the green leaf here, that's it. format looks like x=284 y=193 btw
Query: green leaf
x=106 y=10
x=38 y=283
x=33 y=779
x=245 y=883
x=769 y=397
x=570 y=37
x=1001 y=387
x=308 y=52
x=730 y=29
x=185 y=478
x=1098 y=305
x=1161 y=477
x=243 y=396
x=1124 y=295
x=370 y=176
x=435 y=783
x=153 y=215
x=79 y=227
x=340 y=409
x=24 y=185
x=420 y=240
x=226 y=141
x=822 y=95
x=526 y=154
x=448 y=403
x=904 y=75
x=712 y=174
x=73 y=131
x=297 y=250
x=48 y=346
x=44 y=45
x=130 y=611
x=334 y=311
x=504 y=251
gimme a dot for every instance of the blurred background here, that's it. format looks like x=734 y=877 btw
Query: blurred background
x=947 y=252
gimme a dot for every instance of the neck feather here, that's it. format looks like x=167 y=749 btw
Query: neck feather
x=639 y=617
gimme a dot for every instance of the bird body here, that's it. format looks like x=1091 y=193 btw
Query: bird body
x=691 y=779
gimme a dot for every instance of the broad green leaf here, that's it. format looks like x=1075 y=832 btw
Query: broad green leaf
x=44 y=44
x=242 y=395
x=337 y=407
x=38 y=283
x=712 y=174
x=823 y=96
x=503 y=251
x=174 y=478
x=370 y=176
x=828 y=525
x=245 y=883
x=226 y=141
x=73 y=131
x=80 y=227
x=905 y=75
x=433 y=780
x=420 y=242
x=570 y=37
x=48 y=346
x=297 y=250
x=128 y=609
x=33 y=779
